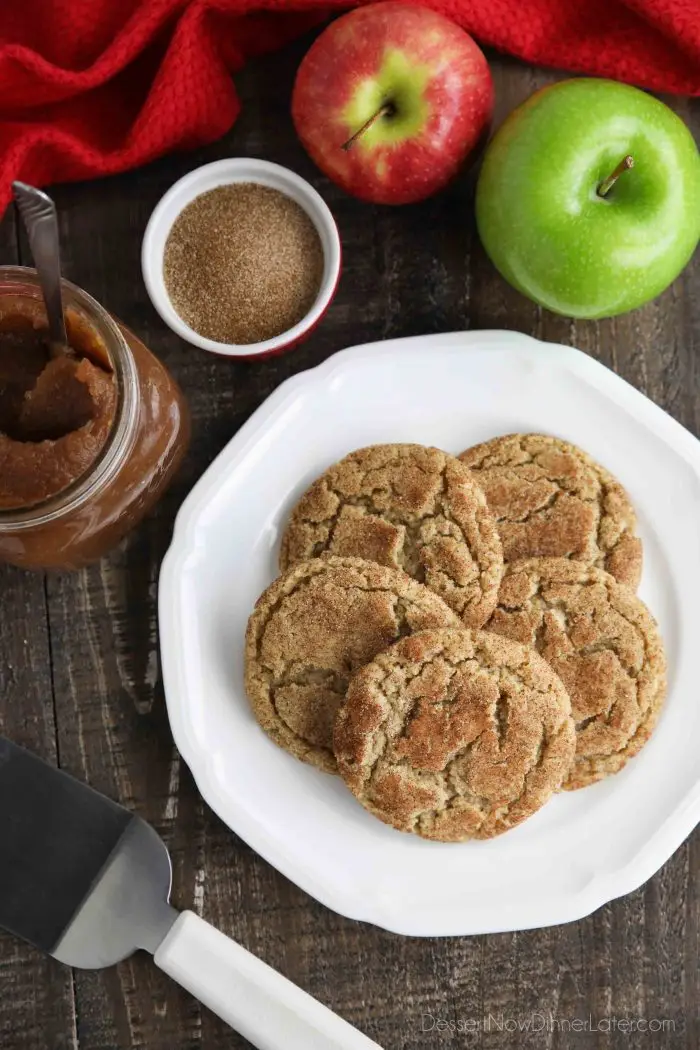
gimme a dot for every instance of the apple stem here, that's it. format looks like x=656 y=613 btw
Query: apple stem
x=607 y=184
x=384 y=111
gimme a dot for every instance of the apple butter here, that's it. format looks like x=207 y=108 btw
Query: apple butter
x=89 y=437
x=56 y=413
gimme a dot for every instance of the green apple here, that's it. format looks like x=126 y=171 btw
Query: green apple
x=588 y=200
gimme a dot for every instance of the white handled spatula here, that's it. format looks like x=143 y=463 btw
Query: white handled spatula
x=88 y=882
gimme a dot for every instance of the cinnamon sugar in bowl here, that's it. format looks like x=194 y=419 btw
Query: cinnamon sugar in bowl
x=241 y=257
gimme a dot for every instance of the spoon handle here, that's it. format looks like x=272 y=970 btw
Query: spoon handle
x=38 y=213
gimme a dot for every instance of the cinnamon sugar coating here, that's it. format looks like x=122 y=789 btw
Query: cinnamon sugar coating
x=551 y=500
x=311 y=629
x=408 y=507
x=603 y=643
x=455 y=735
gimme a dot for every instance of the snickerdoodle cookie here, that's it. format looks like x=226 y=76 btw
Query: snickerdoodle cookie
x=455 y=735
x=602 y=642
x=408 y=507
x=552 y=500
x=311 y=629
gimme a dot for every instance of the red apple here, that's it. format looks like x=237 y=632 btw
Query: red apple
x=390 y=100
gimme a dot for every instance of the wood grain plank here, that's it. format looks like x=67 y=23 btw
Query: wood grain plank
x=116 y=738
x=36 y=1004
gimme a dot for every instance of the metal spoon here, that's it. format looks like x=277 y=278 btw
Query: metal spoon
x=38 y=213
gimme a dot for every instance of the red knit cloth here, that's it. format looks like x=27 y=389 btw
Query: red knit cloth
x=91 y=87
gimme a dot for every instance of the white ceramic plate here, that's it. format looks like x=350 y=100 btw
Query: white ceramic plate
x=584 y=848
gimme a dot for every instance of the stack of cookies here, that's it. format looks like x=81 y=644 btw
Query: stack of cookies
x=459 y=638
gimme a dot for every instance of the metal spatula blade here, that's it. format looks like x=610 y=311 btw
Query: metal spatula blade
x=80 y=877
x=88 y=882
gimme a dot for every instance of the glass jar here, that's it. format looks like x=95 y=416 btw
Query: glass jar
x=147 y=439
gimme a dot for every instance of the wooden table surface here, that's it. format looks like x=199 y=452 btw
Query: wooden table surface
x=79 y=678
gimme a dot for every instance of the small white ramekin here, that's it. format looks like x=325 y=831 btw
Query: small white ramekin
x=223 y=173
